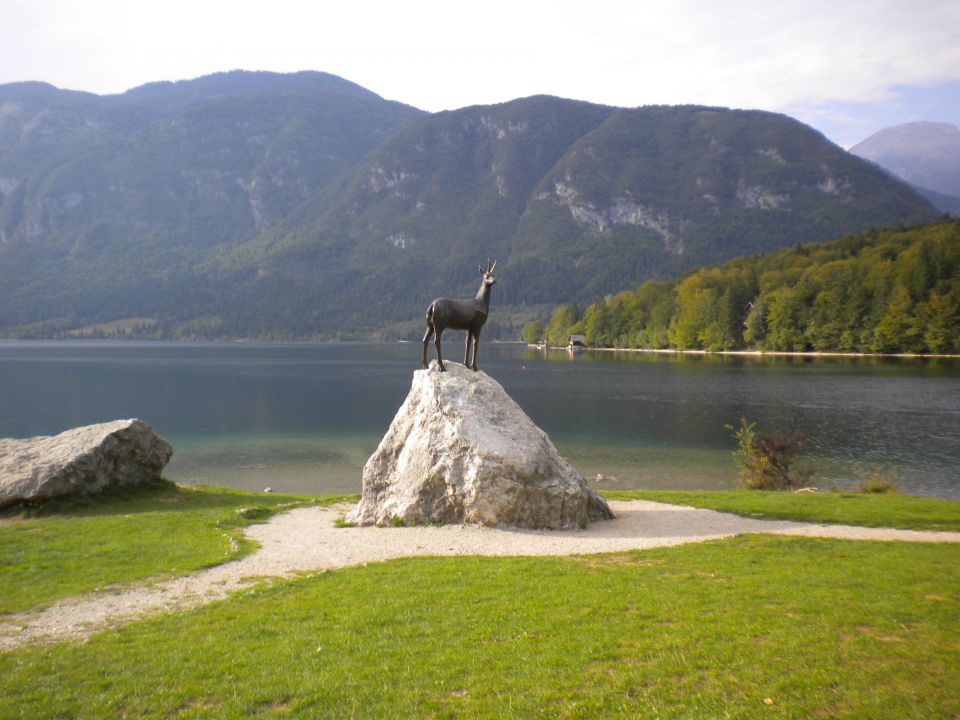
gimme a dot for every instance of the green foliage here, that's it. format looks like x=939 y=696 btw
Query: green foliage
x=755 y=324
x=765 y=460
x=564 y=321
x=533 y=332
x=879 y=482
x=891 y=291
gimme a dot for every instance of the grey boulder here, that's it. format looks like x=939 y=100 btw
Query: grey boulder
x=81 y=461
x=460 y=450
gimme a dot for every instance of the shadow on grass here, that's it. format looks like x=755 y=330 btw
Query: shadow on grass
x=160 y=496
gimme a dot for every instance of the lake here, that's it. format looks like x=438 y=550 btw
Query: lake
x=303 y=417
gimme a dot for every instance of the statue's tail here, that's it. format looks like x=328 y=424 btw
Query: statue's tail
x=430 y=312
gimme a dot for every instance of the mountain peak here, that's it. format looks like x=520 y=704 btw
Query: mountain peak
x=921 y=136
x=167 y=96
x=923 y=153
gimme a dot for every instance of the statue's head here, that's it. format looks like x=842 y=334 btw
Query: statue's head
x=488 y=278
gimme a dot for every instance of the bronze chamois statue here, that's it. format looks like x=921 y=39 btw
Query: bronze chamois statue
x=469 y=315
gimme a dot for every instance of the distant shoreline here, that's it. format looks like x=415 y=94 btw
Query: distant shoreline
x=534 y=346
x=749 y=353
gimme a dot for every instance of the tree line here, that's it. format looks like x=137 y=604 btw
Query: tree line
x=882 y=291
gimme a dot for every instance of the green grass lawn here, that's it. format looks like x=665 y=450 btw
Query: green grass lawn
x=821 y=628
x=890 y=510
x=58 y=549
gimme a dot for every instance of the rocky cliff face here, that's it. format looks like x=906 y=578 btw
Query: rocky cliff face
x=460 y=450
x=234 y=151
x=575 y=201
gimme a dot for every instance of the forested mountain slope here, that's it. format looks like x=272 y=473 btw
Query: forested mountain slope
x=265 y=205
x=109 y=205
x=885 y=291
x=573 y=200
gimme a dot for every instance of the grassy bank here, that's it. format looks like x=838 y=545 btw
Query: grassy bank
x=753 y=626
x=886 y=510
x=59 y=549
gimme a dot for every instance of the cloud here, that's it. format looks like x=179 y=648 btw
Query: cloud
x=847 y=123
x=784 y=56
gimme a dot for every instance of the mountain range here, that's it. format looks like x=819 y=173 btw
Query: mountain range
x=305 y=206
x=924 y=154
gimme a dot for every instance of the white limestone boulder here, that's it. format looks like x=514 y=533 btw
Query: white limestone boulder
x=81 y=461
x=460 y=450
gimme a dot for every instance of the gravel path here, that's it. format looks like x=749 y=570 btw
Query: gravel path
x=306 y=539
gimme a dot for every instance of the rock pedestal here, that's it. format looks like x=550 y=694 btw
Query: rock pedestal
x=81 y=461
x=460 y=450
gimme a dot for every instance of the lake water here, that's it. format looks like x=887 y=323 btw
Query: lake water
x=304 y=417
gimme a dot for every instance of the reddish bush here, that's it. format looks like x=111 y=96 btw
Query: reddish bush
x=765 y=460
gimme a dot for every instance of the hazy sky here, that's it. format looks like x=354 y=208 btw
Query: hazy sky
x=847 y=67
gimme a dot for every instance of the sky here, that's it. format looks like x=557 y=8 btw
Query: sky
x=846 y=67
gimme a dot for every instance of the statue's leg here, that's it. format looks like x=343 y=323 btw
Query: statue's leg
x=426 y=343
x=476 y=346
x=466 y=352
x=436 y=342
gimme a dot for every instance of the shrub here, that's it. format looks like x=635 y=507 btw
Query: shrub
x=533 y=332
x=765 y=460
x=878 y=483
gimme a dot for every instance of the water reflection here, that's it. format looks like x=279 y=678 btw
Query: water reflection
x=301 y=416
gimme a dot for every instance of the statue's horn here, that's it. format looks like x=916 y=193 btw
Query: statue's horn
x=492 y=267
